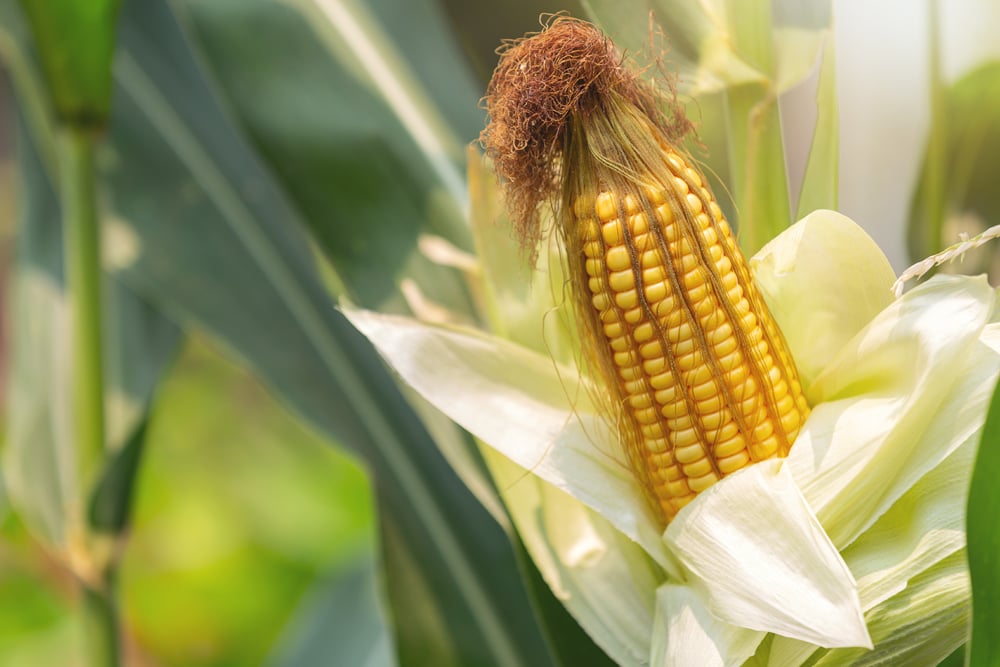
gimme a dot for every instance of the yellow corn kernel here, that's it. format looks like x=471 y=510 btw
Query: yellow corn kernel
x=705 y=381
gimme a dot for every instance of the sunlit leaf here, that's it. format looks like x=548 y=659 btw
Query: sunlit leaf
x=821 y=178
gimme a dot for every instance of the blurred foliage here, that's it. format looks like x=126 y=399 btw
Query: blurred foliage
x=240 y=512
x=970 y=199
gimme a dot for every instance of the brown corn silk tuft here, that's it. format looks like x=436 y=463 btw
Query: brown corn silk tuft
x=692 y=367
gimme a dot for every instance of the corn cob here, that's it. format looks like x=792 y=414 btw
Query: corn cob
x=691 y=364
x=705 y=381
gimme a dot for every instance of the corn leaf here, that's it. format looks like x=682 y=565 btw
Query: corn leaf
x=984 y=544
x=821 y=178
x=961 y=160
x=339 y=623
x=216 y=242
x=352 y=138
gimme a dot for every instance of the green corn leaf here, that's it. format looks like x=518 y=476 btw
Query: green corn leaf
x=339 y=623
x=957 y=191
x=216 y=242
x=336 y=108
x=821 y=178
x=984 y=545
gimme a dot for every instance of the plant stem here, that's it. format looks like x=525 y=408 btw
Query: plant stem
x=83 y=280
x=101 y=624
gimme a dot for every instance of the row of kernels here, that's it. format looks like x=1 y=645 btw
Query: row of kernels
x=620 y=344
x=606 y=205
x=699 y=483
x=656 y=366
x=652 y=431
x=737 y=461
x=622 y=281
x=625 y=358
x=691 y=359
x=688 y=449
x=628 y=373
x=618 y=258
x=730 y=446
x=766 y=448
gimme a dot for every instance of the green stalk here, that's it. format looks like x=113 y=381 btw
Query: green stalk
x=101 y=624
x=83 y=280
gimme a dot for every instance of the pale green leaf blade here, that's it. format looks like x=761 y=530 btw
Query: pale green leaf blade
x=687 y=633
x=923 y=529
x=758 y=552
x=522 y=404
x=925 y=623
x=906 y=392
x=958 y=196
x=822 y=176
x=605 y=580
x=698 y=38
x=215 y=242
x=758 y=176
x=825 y=266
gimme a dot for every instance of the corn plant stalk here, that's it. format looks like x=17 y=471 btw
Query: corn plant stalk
x=101 y=623
x=83 y=279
